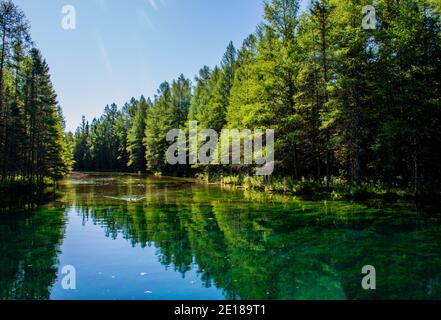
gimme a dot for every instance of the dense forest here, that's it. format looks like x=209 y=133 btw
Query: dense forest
x=349 y=105
x=33 y=147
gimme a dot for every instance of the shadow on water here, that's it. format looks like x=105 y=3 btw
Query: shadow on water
x=26 y=200
x=248 y=245
x=29 y=245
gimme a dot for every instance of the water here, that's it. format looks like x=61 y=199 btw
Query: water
x=132 y=237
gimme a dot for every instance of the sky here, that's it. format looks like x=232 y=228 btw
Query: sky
x=126 y=48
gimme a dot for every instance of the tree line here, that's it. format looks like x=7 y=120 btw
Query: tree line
x=33 y=145
x=360 y=105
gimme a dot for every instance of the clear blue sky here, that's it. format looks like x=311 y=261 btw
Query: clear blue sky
x=125 y=48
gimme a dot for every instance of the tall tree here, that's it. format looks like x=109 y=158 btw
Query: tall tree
x=14 y=29
x=135 y=145
x=46 y=139
x=169 y=111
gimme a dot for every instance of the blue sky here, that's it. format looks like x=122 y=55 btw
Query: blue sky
x=125 y=48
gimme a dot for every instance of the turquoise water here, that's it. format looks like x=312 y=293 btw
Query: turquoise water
x=132 y=237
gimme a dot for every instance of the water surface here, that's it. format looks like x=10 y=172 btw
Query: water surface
x=135 y=237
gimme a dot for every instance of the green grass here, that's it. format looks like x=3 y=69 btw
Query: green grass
x=336 y=189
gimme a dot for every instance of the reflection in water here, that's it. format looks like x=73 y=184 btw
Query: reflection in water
x=171 y=239
x=29 y=245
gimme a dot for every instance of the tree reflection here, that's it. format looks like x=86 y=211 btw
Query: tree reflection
x=258 y=249
x=29 y=245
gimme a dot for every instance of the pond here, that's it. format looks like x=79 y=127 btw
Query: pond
x=145 y=238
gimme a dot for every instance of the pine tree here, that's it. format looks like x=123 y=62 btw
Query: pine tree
x=169 y=111
x=362 y=105
x=201 y=97
x=46 y=148
x=14 y=30
x=408 y=91
x=135 y=145
x=81 y=151
x=350 y=89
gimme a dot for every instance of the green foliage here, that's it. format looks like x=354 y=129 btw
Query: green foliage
x=33 y=144
x=135 y=145
x=232 y=180
x=211 y=95
x=336 y=189
x=345 y=103
x=104 y=145
x=169 y=111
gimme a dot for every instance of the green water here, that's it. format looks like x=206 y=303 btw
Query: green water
x=132 y=237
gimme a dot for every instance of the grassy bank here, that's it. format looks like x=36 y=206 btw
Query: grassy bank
x=336 y=189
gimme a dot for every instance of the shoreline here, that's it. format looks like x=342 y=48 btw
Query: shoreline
x=337 y=190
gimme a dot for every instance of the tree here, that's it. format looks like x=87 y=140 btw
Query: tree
x=81 y=153
x=408 y=94
x=135 y=145
x=46 y=139
x=201 y=97
x=263 y=93
x=360 y=105
x=14 y=30
x=169 y=111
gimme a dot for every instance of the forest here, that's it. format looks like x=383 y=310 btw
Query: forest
x=349 y=105
x=33 y=145
x=349 y=98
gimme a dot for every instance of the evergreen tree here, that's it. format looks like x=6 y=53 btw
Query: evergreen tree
x=169 y=111
x=361 y=105
x=14 y=31
x=135 y=145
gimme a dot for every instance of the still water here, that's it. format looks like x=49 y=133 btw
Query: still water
x=134 y=237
